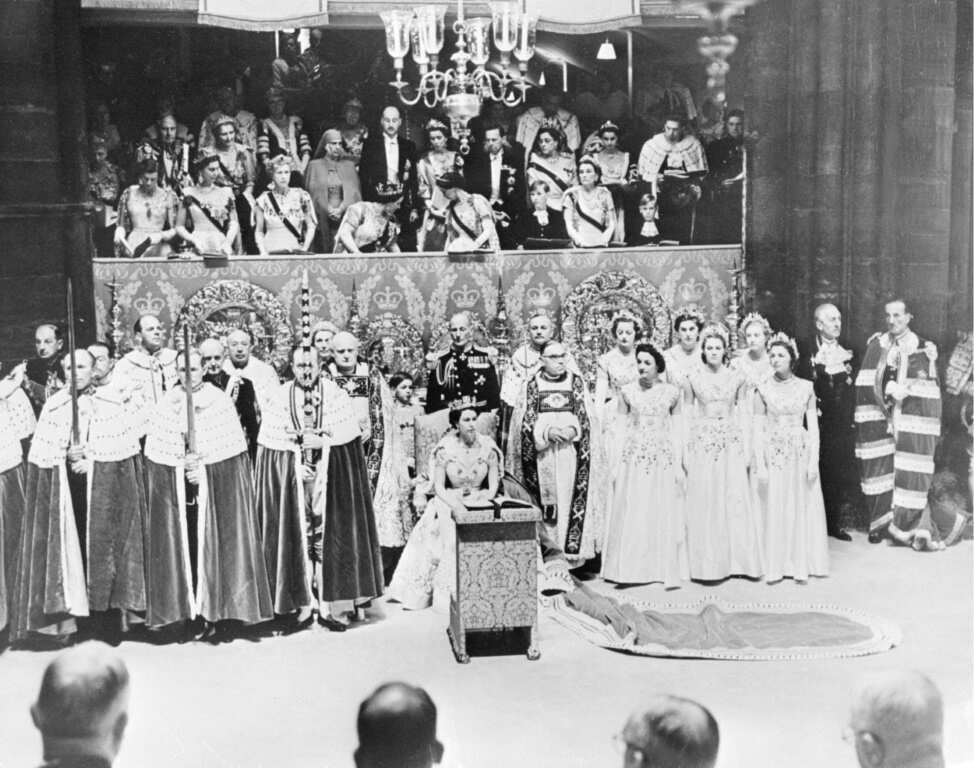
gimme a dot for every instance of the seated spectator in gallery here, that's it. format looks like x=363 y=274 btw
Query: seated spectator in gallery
x=372 y=227
x=648 y=231
x=282 y=134
x=550 y=114
x=236 y=170
x=285 y=69
x=333 y=184
x=82 y=707
x=469 y=217
x=660 y=96
x=244 y=122
x=286 y=219
x=542 y=226
x=166 y=105
x=210 y=209
x=397 y=729
x=601 y=102
x=352 y=130
x=897 y=721
x=146 y=216
x=675 y=162
x=669 y=732
x=551 y=163
x=169 y=153
x=590 y=213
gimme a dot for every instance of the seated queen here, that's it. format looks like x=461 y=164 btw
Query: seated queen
x=465 y=471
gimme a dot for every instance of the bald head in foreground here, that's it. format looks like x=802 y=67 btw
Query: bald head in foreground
x=397 y=729
x=82 y=708
x=897 y=721
x=670 y=732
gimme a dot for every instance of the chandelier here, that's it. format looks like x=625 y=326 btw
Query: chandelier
x=718 y=46
x=459 y=89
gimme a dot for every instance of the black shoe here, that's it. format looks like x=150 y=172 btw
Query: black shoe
x=875 y=537
x=840 y=535
x=290 y=625
x=332 y=624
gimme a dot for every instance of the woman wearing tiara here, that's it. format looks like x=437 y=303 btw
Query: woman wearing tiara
x=465 y=468
x=646 y=537
x=550 y=164
x=210 y=210
x=786 y=454
x=615 y=370
x=615 y=173
x=590 y=214
x=371 y=227
x=431 y=166
x=723 y=528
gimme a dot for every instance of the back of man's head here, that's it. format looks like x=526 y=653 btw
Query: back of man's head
x=673 y=732
x=397 y=729
x=82 y=707
x=897 y=719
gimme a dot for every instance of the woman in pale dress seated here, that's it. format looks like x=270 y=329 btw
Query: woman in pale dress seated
x=465 y=470
x=549 y=163
x=615 y=369
x=286 y=219
x=646 y=537
x=435 y=163
x=723 y=527
x=211 y=211
x=469 y=217
x=371 y=227
x=590 y=214
x=146 y=216
x=795 y=537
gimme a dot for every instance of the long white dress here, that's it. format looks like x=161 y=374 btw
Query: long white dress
x=646 y=539
x=723 y=527
x=754 y=372
x=795 y=537
x=608 y=419
x=424 y=575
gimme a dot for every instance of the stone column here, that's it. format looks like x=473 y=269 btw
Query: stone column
x=43 y=210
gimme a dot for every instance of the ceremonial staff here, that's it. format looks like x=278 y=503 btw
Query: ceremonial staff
x=73 y=381
x=188 y=386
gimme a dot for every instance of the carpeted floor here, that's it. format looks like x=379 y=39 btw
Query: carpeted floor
x=291 y=701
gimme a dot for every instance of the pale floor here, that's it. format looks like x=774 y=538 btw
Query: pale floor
x=291 y=701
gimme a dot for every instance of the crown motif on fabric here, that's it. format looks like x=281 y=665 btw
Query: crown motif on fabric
x=465 y=297
x=387 y=299
x=540 y=296
x=692 y=290
x=784 y=338
x=465 y=402
x=718 y=330
x=754 y=317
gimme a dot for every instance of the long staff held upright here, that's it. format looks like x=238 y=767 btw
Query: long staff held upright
x=188 y=386
x=73 y=378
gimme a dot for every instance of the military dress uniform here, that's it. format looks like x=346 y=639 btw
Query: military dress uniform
x=463 y=373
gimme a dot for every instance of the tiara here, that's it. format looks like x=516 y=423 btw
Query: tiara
x=388 y=189
x=466 y=402
x=435 y=125
x=754 y=317
x=784 y=338
x=715 y=329
x=692 y=313
x=625 y=314
x=608 y=125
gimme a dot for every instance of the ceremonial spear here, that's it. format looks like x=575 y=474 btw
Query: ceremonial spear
x=73 y=380
x=188 y=386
